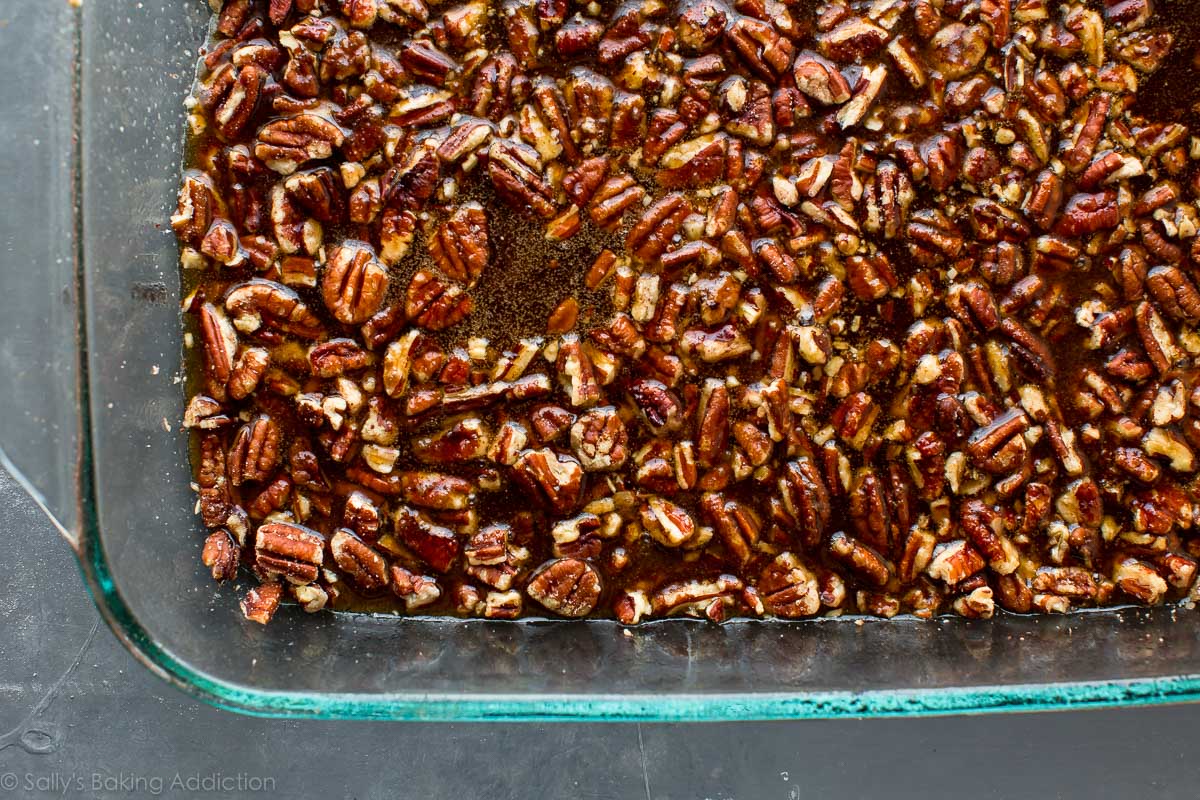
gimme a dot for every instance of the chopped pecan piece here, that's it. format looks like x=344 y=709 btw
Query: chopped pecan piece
x=221 y=555
x=415 y=590
x=600 y=440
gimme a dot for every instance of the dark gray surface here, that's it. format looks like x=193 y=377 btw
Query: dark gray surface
x=78 y=718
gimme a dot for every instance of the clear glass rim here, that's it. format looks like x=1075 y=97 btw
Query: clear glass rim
x=638 y=707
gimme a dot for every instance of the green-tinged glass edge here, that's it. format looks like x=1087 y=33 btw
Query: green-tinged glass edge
x=446 y=707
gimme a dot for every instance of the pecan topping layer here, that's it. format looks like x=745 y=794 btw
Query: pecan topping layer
x=716 y=308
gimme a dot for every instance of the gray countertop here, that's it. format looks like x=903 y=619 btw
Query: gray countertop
x=79 y=718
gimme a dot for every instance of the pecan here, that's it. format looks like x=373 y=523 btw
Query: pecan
x=435 y=490
x=362 y=516
x=435 y=304
x=1140 y=581
x=247 y=372
x=650 y=236
x=984 y=527
x=425 y=61
x=581 y=183
x=258 y=302
x=724 y=343
x=415 y=590
x=337 y=357
x=953 y=562
x=789 y=588
x=221 y=555
x=957 y=49
x=577 y=37
x=933 y=237
x=407 y=185
x=806 y=498
x=515 y=172
x=565 y=586
x=261 y=602
x=503 y=570
x=701 y=24
x=631 y=607
x=871 y=278
x=616 y=196
x=316 y=193
x=600 y=440
x=748 y=110
x=624 y=35
x=854 y=418
x=460 y=246
x=550 y=477
x=660 y=407
x=820 y=79
x=694 y=162
x=1156 y=337
x=360 y=561
x=852 y=39
x=576 y=373
x=285 y=144
x=1072 y=582
x=434 y=544
x=498 y=86
x=738 y=526
x=255 y=451
x=289 y=551
x=234 y=15
x=887 y=198
x=461 y=441
x=667 y=523
x=1088 y=213
x=354 y=283
x=220 y=346
x=709 y=598
x=212 y=478
x=860 y=559
x=1176 y=294
x=240 y=103
x=502 y=605
x=198 y=205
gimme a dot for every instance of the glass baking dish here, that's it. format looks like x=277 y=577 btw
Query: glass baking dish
x=101 y=448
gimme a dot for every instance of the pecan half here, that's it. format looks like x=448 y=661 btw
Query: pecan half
x=789 y=588
x=360 y=561
x=550 y=477
x=354 y=284
x=460 y=246
x=565 y=586
x=289 y=551
x=286 y=144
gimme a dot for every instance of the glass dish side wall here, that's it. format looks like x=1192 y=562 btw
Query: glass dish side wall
x=141 y=542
